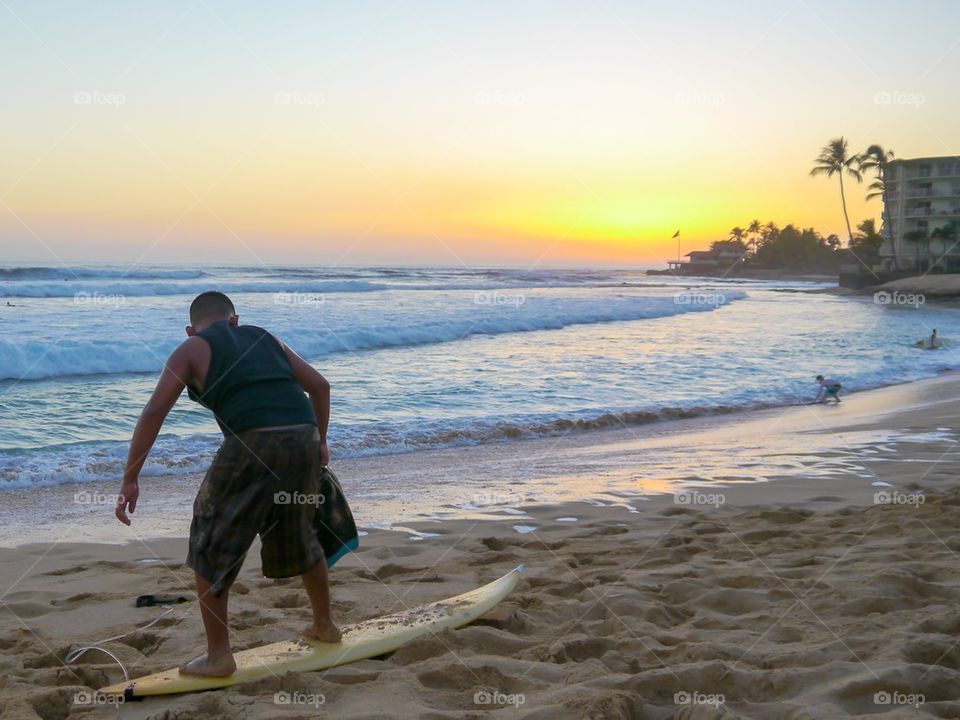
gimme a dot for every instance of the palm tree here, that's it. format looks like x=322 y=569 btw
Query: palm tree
x=768 y=232
x=835 y=159
x=876 y=158
x=738 y=234
x=753 y=230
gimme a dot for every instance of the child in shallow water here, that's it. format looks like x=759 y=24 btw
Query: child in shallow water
x=829 y=389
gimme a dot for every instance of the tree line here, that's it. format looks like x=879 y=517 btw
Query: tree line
x=794 y=248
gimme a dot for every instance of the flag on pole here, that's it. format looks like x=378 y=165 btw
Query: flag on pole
x=676 y=234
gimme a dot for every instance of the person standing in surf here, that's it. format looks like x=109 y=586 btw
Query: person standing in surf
x=269 y=477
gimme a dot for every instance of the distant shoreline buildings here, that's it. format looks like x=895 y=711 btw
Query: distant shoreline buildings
x=920 y=228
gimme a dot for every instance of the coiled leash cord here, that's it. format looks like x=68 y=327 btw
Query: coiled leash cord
x=76 y=654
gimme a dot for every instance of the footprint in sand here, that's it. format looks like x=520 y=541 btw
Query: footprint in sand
x=73 y=599
x=291 y=600
x=67 y=571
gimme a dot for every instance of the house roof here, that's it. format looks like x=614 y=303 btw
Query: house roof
x=924 y=159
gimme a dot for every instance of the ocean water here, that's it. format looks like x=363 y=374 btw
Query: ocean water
x=431 y=357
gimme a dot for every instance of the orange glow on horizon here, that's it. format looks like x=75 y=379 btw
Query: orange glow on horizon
x=476 y=141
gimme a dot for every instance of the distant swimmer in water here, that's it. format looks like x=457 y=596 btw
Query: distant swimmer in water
x=829 y=389
x=932 y=343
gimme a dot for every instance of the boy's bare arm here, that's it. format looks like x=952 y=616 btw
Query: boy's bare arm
x=317 y=387
x=177 y=372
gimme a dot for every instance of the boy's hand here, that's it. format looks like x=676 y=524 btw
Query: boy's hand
x=127 y=500
x=324 y=454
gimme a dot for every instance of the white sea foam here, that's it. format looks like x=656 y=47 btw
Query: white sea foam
x=122 y=349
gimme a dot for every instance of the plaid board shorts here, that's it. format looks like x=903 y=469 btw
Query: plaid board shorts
x=268 y=483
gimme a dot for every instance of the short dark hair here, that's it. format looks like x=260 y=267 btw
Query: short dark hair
x=210 y=304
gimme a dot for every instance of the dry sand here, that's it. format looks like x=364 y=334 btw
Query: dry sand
x=799 y=598
x=934 y=285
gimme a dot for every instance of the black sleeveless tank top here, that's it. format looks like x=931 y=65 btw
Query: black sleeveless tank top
x=250 y=383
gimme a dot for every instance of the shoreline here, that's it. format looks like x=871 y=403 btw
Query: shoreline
x=772 y=274
x=623 y=466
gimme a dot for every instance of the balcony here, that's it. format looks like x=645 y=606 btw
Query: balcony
x=922 y=193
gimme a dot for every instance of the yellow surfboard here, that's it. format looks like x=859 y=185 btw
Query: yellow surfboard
x=362 y=640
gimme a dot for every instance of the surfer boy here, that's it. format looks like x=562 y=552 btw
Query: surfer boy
x=269 y=477
x=829 y=389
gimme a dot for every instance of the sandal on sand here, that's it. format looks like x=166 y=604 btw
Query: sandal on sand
x=153 y=600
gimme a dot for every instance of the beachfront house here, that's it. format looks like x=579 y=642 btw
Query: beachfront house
x=723 y=256
x=921 y=219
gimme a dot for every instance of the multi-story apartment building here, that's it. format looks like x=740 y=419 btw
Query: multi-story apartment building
x=922 y=209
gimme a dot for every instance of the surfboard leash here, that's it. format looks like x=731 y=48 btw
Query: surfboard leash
x=77 y=653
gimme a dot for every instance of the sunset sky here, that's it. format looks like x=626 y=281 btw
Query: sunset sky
x=448 y=132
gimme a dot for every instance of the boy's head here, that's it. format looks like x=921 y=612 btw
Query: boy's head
x=819 y=378
x=208 y=308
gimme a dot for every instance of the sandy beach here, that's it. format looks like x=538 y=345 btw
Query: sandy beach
x=609 y=351
x=805 y=596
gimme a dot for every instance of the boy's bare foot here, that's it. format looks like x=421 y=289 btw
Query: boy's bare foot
x=206 y=666
x=327 y=632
